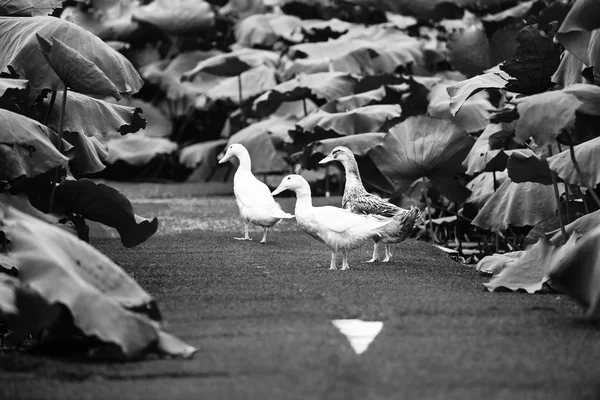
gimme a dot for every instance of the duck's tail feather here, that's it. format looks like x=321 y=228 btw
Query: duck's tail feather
x=408 y=216
x=281 y=214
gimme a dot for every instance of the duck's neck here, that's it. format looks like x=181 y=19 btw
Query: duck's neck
x=353 y=182
x=244 y=159
x=303 y=199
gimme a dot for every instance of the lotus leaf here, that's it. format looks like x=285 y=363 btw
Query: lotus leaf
x=176 y=17
x=469 y=50
x=324 y=85
x=534 y=62
x=581 y=225
x=202 y=157
x=20 y=50
x=461 y=91
x=526 y=167
x=543 y=116
x=484 y=185
x=569 y=70
x=253 y=83
x=495 y=263
x=575 y=33
x=94 y=117
x=265 y=29
x=233 y=63
x=424 y=147
x=517 y=204
x=587 y=154
x=387 y=94
x=137 y=149
x=28 y=8
x=25 y=147
x=474 y=115
x=88 y=153
x=322 y=125
x=578 y=273
x=65 y=270
x=530 y=271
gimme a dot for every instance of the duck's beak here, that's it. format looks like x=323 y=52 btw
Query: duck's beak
x=279 y=189
x=327 y=159
x=225 y=158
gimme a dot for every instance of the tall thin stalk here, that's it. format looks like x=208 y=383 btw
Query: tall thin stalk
x=567 y=191
x=557 y=197
x=50 y=107
x=424 y=193
x=581 y=177
x=304 y=104
x=61 y=120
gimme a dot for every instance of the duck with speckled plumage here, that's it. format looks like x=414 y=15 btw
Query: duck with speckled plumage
x=359 y=201
x=253 y=197
x=339 y=229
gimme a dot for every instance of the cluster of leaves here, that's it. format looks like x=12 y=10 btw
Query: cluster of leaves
x=54 y=286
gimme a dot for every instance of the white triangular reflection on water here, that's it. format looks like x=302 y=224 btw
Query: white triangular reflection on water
x=360 y=333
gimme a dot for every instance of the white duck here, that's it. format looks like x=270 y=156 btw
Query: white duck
x=253 y=197
x=338 y=228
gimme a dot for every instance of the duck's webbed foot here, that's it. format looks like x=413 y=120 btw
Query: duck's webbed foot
x=333 y=257
x=375 y=253
x=246 y=235
x=345 y=265
x=264 y=238
x=388 y=253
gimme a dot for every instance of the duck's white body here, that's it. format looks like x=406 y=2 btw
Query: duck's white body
x=253 y=197
x=337 y=228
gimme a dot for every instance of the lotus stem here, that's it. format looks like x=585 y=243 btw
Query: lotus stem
x=581 y=177
x=582 y=197
x=557 y=197
x=567 y=191
x=241 y=98
x=496 y=233
x=50 y=107
x=304 y=104
x=424 y=192
x=61 y=120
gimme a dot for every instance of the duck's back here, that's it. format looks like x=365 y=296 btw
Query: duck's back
x=254 y=200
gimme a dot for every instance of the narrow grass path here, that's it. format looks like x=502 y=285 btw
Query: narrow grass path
x=260 y=316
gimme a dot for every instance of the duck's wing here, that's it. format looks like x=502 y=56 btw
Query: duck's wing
x=339 y=220
x=252 y=193
x=371 y=204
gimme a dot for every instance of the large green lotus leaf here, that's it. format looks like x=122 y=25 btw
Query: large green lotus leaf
x=80 y=74
x=25 y=147
x=492 y=265
x=569 y=70
x=265 y=29
x=88 y=153
x=233 y=63
x=359 y=144
x=469 y=50
x=137 y=149
x=324 y=85
x=575 y=33
x=322 y=125
x=530 y=271
x=254 y=82
x=94 y=117
x=14 y=95
x=581 y=225
x=424 y=147
x=481 y=154
x=517 y=204
x=387 y=94
x=589 y=95
x=257 y=139
x=523 y=166
x=19 y=49
x=474 y=115
x=533 y=63
x=244 y=8
x=483 y=186
x=65 y=270
x=358 y=53
x=28 y=8
x=578 y=273
x=460 y=92
x=177 y=17
x=108 y=23
x=543 y=116
x=10 y=85
x=587 y=155
x=202 y=157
